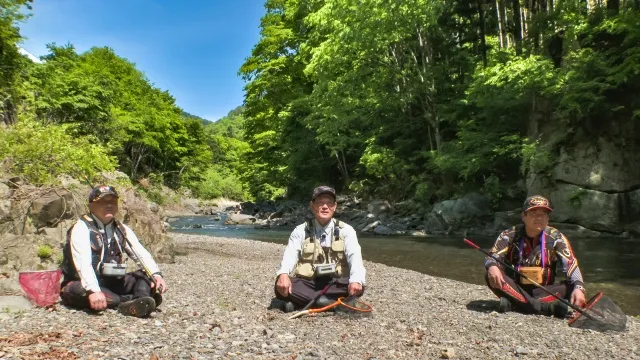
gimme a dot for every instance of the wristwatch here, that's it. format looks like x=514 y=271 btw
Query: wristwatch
x=158 y=273
x=581 y=288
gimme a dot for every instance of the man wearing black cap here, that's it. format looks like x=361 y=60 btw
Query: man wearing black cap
x=94 y=265
x=323 y=256
x=536 y=250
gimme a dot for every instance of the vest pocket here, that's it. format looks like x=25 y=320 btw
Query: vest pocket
x=305 y=270
x=307 y=251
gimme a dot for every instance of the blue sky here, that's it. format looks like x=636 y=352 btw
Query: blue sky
x=193 y=49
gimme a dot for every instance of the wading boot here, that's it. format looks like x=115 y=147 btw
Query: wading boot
x=139 y=307
x=323 y=301
x=505 y=305
x=556 y=308
x=282 y=305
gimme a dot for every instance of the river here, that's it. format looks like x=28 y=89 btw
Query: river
x=610 y=265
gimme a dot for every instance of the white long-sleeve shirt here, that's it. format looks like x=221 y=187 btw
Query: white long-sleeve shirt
x=81 y=251
x=352 y=251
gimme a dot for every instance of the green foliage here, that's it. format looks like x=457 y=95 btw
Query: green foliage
x=42 y=152
x=45 y=252
x=219 y=182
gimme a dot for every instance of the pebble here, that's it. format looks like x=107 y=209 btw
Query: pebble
x=224 y=283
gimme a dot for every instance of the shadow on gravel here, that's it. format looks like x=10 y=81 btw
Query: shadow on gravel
x=485 y=306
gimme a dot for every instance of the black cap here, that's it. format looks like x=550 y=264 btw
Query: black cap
x=323 y=190
x=535 y=202
x=101 y=191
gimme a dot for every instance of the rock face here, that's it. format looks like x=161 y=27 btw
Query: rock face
x=455 y=214
x=595 y=182
x=34 y=222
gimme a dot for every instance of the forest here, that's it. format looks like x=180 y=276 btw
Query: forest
x=409 y=99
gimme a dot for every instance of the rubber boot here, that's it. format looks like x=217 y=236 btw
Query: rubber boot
x=139 y=307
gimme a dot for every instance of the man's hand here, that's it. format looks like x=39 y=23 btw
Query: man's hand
x=162 y=287
x=577 y=298
x=355 y=288
x=283 y=285
x=97 y=301
x=496 y=278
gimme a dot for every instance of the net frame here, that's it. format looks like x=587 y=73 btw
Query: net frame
x=600 y=313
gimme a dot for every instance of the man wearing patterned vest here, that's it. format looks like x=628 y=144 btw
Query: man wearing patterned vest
x=538 y=251
x=323 y=255
x=94 y=265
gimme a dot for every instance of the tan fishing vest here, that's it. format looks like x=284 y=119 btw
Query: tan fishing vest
x=312 y=253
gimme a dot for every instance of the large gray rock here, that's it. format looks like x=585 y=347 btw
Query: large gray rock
x=240 y=219
x=147 y=225
x=591 y=209
x=14 y=304
x=52 y=207
x=378 y=207
x=603 y=164
x=457 y=213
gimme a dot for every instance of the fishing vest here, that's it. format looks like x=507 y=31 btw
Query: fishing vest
x=101 y=251
x=542 y=255
x=312 y=253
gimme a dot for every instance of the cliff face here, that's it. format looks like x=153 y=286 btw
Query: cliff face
x=32 y=218
x=594 y=181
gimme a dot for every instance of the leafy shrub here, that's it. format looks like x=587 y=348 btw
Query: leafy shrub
x=42 y=152
x=219 y=182
x=45 y=252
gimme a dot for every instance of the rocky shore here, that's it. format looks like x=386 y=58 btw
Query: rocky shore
x=217 y=307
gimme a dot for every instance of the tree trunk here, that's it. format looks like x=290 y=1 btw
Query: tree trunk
x=613 y=6
x=517 y=26
x=502 y=23
x=483 y=41
x=500 y=26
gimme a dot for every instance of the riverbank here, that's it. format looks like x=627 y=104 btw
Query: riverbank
x=217 y=308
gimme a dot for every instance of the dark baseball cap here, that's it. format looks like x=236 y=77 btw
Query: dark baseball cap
x=323 y=190
x=101 y=191
x=536 y=202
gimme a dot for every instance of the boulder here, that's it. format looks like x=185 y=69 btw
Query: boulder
x=14 y=304
x=591 y=209
x=371 y=226
x=604 y=165
x=52 y=207
x=378 y=207
x=383 y=230
x=147 y=226
x=240 y=219
x=20 y=252
x=458 y=213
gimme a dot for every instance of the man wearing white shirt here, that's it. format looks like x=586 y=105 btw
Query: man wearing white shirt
x=323 y=255
x=94 y=265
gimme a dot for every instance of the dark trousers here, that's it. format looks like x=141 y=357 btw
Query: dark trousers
x=528 y=299
x=116 y=290
x=305 y=290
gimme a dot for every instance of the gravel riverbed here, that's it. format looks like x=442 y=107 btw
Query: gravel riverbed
x=217 y=307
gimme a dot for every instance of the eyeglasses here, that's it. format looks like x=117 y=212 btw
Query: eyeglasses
x=323 y=203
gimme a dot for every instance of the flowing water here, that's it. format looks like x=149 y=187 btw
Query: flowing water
x=610 y=265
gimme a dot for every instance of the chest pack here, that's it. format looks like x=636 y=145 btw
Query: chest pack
x=102 y=251
x=539 y=263
x=314 y=260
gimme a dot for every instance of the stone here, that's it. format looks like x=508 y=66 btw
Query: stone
x=14 y=304
x=51 y=208
x=371 y=226
x=240 y=219
x=448 y=353
x=383 y=230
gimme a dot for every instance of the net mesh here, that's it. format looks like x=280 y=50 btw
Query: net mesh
x=351 y=306
x=600 y=314
x=41 y=287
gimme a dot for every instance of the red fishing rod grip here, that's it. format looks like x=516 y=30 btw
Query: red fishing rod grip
x=470 y=243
